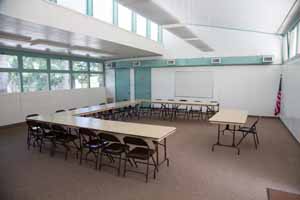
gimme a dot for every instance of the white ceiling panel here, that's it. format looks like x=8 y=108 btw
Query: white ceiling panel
x=255 y=15
x=182 y=32
x=42 y=37
x=199 y=44
x=151 y=10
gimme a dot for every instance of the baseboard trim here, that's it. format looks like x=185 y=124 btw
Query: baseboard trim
x=13 y=125
x=287 y=128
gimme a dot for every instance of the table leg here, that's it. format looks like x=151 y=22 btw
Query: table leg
x=233 y=145
x=218 y=141
x=233 y=136
x=157 y=157
x=165 y=158
x=165 y=151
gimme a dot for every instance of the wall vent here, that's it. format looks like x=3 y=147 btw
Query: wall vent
x=136 y=63
x=216 y=61
x=109 y=65
x=171 y=62
x=268 y=59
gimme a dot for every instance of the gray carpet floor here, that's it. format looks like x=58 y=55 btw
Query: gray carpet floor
x=195 y=172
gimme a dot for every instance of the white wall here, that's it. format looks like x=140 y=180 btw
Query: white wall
x=110 y=83
x=14 y=107
x=290 y=114
x=225 y=43
x=59 y=17
x=251 y=88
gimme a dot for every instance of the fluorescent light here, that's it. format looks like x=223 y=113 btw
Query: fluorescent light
x=14 y=37
x=89 y=50
x=49 y=43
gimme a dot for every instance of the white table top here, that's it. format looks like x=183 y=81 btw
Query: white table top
x=192 y=103
x=152 y=132
x=102 y=108
x=229 y=116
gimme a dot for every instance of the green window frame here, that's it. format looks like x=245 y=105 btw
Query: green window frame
x=23 y=77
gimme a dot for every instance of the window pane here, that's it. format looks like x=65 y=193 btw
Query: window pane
x=78 y=5
x=293 y=42
x=9 y=82
x=124 y=17
x=58 y=64
x=8 y=61
x=34 y=63
x=298 y=49
x=60 y=81
x=80 y=66
x=81 y=80
x=35 y=81
x=103 y=10
x=96 y=67
x=154 y=31
x=285 y=48
x=96 y=80
x=141 y=25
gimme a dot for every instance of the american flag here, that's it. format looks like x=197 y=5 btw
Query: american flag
x=278 y=100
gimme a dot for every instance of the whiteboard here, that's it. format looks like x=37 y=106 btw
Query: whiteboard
x=194 y=84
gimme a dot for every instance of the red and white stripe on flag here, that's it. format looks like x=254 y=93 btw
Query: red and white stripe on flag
x=278 y=100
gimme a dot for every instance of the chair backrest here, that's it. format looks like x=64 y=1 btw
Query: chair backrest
x=253 y=126
x=135 y=141
x=101 y=104
x=58 y=128
x=87 y=132
x=31 y=115
x=183 y=100
x=59 y=111
x=31 y=124
x=72 y=109
x=44 y=126
x=109 y=138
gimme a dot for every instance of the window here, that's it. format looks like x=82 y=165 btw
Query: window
x=78 y=5
x=59 y=64
x=80 y=80
x=8 y=61
x=35 y=81
x=103 y=10
x=293 y=42
x=96 y=67
x=36 y=73
x=34 y=63
x=9 y=82
x=298 y=38
x=96 y=80
x=124 y=17
x=60 y=81
x=285 y=48
x=80 y=66
x=141 y=25
x=154 y=31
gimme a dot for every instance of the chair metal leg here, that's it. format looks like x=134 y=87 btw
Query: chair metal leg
x=125 y=162
x=257 y=138
x=155 y=164
x=100 y=164
x=147 y=172
x=81 y=152
x=96 y=156
x=119 y=168
x=254 y=139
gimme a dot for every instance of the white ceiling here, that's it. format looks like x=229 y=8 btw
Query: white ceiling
x=255 y=15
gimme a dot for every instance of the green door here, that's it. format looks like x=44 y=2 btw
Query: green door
x=122 y=80
x=142 y=83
